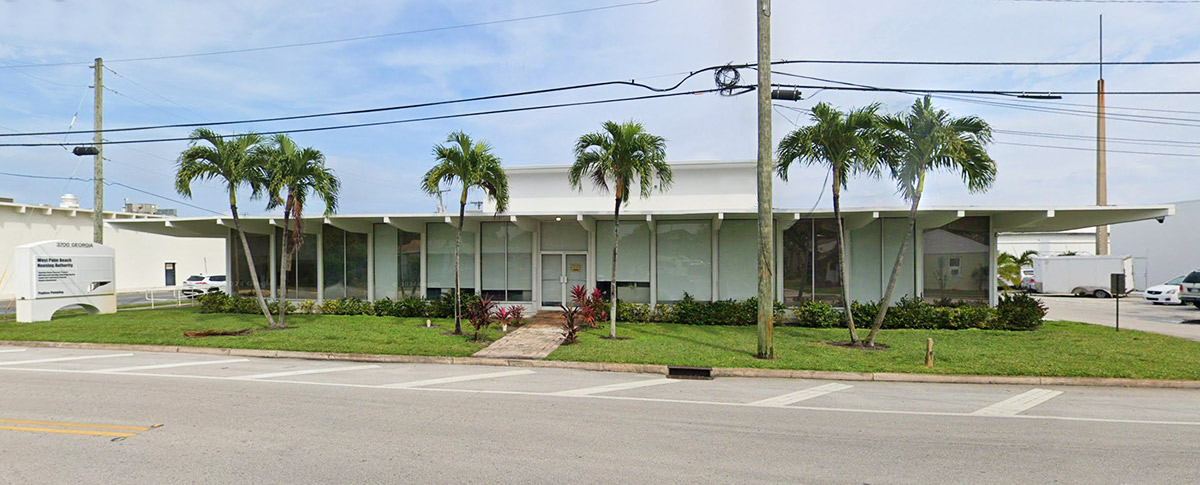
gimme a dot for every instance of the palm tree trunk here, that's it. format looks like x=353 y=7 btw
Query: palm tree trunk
x=462 y=209
x=887 y=295
x=612 y=329
x=262 y=303
x=837 y=215
x=287 y=260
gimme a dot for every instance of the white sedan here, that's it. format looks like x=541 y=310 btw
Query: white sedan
x=1166 y=293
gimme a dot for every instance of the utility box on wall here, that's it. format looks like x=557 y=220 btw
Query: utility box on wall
x=50 y=275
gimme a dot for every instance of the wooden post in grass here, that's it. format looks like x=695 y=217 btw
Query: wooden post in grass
x=929 y=352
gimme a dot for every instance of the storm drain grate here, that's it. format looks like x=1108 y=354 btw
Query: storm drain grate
x=683 y=372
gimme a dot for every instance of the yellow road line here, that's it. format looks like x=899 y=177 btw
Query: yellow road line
x=74 y=425
x=68 y=431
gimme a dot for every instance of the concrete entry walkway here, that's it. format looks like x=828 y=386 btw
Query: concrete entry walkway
x=534 y=340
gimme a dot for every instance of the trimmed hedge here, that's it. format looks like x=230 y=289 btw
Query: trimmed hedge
x=1017 y=312
x=690 y=311
x=406 y=308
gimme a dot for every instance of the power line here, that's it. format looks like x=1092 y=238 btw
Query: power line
x=350 y=39
x=1128 y=141
x=148 y=90
x=110 y=183
x=981 y=63
x=381 y=109
x=136 y=100
x=1106 y=1
x=414 y=120
x=1057 y=147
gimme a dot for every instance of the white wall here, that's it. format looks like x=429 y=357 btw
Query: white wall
x=1171 y=248
x=1050 y=243
x=140 y=255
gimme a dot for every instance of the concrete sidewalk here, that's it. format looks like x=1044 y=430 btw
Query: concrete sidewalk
x=1136 y=314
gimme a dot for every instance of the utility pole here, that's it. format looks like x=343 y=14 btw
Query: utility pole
x=1101 y=159
x=766 y=231
x=98 y=141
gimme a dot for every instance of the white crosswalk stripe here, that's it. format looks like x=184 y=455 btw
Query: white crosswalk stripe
x=1016 y=404
x=449 y=380
x=168 y=366
x=5 y=351
x=587 y=391
x=802 y=395
x=308 y=371
x=63 y=359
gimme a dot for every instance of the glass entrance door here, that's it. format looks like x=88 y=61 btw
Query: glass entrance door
x=552 y=279
x=561 y=271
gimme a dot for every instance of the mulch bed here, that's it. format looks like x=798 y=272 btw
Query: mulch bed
x=859 y=346
x=218 y=333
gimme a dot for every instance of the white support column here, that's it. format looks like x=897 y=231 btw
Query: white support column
x=653 y=261
x=371 y=264
x=537 y=265
x=778 y=263
x=321 y=264
x=273 y=264
x=424 y=263
x=716 y=228
x=478 y=259
x=231 y=249
x=993 y=276
x=591 y=253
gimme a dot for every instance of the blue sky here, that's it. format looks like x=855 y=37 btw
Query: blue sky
x=654 y=43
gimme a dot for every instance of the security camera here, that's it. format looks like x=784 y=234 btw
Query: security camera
x=1160 y=219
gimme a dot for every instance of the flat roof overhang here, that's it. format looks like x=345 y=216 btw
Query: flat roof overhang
x=1004 y=219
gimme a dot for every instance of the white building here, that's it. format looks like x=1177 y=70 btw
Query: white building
x=1078 y=241
x=698 y=238
x=1168 y=247
x=144 y=260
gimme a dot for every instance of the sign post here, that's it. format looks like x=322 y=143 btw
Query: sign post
x=51 y=275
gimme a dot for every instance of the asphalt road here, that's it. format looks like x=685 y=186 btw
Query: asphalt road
x=242 y=420
x=1136 y=314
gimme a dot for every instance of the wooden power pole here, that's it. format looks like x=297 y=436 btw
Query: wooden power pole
x=98 y=141
x=766 y=226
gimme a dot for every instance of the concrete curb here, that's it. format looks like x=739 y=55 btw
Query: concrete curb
x=631 y=368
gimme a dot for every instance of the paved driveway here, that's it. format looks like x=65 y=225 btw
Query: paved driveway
x=1136 y=314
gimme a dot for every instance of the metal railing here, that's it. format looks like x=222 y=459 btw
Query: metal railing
x=176 y=295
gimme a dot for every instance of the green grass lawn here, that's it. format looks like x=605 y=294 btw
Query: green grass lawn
x=316 y=333
x=1058 y=349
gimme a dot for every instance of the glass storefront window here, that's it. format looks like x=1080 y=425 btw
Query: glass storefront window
x=633 y=260
x=439 y=257
x=260 y=250
x=956 y=260
x=506 y=258
x=684 y=262
x=797 y=262
x=737 y=251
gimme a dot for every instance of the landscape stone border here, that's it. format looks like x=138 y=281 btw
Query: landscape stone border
x=632 y=368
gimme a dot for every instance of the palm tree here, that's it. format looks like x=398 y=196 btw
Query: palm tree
x=1009 y=266
x=298 y=171
x=844 y=142
x=925 y=139
x=235 y=161
x=473 y=166
x=619 y=155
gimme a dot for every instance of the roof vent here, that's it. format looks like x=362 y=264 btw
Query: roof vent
x=69 y=201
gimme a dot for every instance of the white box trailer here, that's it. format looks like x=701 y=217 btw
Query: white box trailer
x=1080 y=275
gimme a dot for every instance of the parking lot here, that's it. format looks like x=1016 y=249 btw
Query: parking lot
x=1136 y=314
